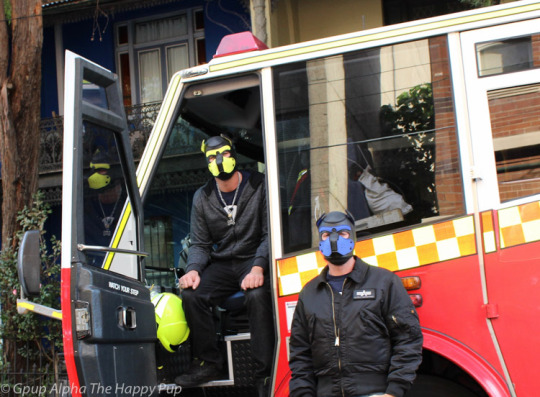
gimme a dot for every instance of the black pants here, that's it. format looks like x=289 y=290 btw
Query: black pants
x=219 y=281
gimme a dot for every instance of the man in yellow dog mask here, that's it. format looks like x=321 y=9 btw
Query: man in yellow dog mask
x=221 y=157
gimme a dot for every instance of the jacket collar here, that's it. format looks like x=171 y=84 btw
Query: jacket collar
x=358 y=274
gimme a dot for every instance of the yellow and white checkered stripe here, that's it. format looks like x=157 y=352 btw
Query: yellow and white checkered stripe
x=404 y=250
x=488 y=232
x=519 y=225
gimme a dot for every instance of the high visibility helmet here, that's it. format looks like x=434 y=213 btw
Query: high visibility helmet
x=172 y=328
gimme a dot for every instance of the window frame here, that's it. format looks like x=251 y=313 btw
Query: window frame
x=476 y=132
x=453 y=209
x=190 y=39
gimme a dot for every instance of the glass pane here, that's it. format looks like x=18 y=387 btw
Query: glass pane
x=104 y=189
x=161 y=29
x=125 y=76
x=515 y=115
x=372 y=132
x=95 y=95
x=157 y=238
x=505 y=56
x=201 y=51
x=150 y=76
x=122 y=35
x=199 y=19
x=232 y=107
x=177 y=59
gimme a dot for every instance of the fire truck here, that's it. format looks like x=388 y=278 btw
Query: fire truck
x=428 y=132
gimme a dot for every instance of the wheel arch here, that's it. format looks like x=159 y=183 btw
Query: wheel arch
x=468 y=360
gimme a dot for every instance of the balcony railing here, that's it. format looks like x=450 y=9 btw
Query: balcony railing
x=140 y=119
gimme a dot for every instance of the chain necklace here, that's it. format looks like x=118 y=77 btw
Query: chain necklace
x=108 y=220
x=230 y=210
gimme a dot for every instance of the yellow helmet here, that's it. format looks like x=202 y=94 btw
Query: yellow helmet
x=172 y=328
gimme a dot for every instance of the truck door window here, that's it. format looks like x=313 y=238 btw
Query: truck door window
x=230 y=107
x=104 y=189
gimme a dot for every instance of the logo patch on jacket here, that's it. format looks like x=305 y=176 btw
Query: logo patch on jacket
x=364 y=293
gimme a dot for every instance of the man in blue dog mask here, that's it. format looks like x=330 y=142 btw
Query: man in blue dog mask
x=355 y=331
x=337 y=237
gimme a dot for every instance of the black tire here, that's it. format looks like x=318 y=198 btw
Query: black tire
x=434 y=386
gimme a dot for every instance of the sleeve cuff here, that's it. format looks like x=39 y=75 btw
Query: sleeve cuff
x=196 y=267
x=396 y=389
x=261 y=262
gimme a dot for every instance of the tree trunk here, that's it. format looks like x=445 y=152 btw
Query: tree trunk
x=20 y=91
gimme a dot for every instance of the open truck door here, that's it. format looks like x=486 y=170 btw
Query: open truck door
x=108 y=319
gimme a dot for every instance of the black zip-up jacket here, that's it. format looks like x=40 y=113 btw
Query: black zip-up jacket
x=213 y=239
x=364 y=341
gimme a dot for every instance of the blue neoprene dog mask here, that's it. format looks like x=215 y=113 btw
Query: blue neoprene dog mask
x=335 y=248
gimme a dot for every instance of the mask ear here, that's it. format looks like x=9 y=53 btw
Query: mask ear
x=203 y=146
x=321 y=218
x=227 y=139
x=350 y=217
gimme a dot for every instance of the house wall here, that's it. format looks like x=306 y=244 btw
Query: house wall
x=76 y=36
x=294 y=21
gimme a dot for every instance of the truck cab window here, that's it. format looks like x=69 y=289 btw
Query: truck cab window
x=230 y=107
x=372 y=132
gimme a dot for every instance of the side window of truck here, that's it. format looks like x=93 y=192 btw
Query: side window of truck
x=371 y=131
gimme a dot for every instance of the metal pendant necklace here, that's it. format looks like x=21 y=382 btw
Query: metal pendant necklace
x=108 y=220
x=230 y=210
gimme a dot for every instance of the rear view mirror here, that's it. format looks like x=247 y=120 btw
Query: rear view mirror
x=29 y=263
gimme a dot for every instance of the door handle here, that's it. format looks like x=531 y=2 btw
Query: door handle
x=128 y=317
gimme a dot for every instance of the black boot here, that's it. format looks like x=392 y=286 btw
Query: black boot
x=198 y=373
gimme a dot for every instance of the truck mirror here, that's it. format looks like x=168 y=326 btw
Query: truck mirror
x=29 y=263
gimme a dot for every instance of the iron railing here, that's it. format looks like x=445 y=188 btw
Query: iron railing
x=39 y=376
x=140 y=119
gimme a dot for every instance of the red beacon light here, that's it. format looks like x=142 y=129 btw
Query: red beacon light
x=239 y=43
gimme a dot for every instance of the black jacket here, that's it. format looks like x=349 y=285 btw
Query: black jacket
x=364 y=341
x=213 y=240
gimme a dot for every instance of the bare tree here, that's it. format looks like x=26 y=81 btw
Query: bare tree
x=21 y=39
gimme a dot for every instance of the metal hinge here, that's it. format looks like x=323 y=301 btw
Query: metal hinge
x=474 y=175
x=82 y=319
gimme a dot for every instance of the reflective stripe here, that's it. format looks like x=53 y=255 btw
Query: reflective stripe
x=420 y=246
x=118 y=235
x=23 y=305
x=26 y=305
x=404 y=250
x=519 y=225
x=488 y=232
x=424 y=245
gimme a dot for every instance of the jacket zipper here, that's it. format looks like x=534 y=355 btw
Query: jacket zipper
x=336 y=329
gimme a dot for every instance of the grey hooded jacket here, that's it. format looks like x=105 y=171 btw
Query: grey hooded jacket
x=213 y=239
